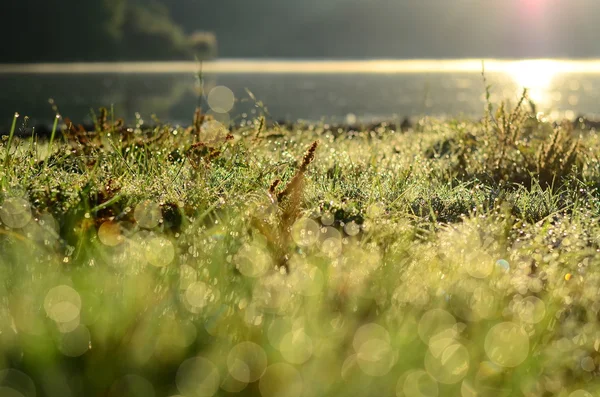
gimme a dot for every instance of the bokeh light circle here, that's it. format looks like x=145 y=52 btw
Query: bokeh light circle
x=16 y=383
x=296 y=346
x=62 y=304
x=10 y=392
x=375 y=357
x=147 y=214
x=15 y=212
x=253 y=261
x=76 y=342
x=197 y=377
x=506 y=344
x=327 y=219
x=221 y=99
x=433 y=322
x=351 y=228
x=132 y=386
x=305 y=232
x=531 y=310
x=417 y=383
x=281 y=380
x=369 y=332
x=109 y=234
x=247 y=362
x=580 y=393
x=451 y=366
x=197 y=294
x=160 y=251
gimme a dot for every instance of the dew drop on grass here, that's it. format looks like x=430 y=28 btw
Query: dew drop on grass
x=327 y=219
x=503 y=265
x=351 y=228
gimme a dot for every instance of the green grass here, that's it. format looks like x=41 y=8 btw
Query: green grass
x=459 y=258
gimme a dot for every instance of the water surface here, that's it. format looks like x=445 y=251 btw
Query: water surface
x=291 y=90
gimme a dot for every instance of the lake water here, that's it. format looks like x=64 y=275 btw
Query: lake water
x=333 y=91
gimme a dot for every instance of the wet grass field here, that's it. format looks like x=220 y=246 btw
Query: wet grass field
x=456 y=258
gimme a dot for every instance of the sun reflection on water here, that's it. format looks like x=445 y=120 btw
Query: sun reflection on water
x=536 y=76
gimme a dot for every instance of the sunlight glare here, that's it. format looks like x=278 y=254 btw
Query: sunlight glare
x=536 y=76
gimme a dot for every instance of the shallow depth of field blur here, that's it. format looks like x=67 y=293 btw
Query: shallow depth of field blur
x=455 y=258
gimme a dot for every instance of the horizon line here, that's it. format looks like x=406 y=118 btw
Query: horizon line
x=303 y=66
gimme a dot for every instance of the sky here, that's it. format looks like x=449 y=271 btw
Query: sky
x=398 y=29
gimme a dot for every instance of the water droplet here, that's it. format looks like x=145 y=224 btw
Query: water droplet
x=503 y=264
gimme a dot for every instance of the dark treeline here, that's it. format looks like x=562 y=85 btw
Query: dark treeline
x=71 y=30
x=96 y=30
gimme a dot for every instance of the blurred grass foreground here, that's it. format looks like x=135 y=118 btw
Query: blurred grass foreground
x=455 y=258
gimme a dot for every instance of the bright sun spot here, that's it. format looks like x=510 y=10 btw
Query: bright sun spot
x=536 y=76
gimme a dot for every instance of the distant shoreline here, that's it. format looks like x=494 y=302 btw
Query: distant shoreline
x=257 y=66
